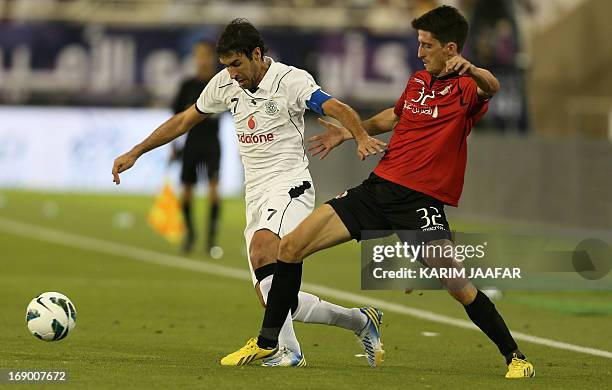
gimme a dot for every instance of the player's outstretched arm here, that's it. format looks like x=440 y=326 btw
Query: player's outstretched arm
x=382 y=122
x=174 y=127
x=334 y=135
x=487 y=84
x=366 y=145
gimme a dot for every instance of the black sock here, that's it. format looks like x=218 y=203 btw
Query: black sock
x=213 y=218
x=263 y=272
x=186 y=206
x=483 y=313
x=282 y=297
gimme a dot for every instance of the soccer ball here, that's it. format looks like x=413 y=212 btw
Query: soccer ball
x=494 y=293
x=51 y=316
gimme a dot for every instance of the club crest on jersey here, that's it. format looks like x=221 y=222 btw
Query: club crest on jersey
x=271 y=107
x=446 y=90
x=252 y=123
x=342 y=195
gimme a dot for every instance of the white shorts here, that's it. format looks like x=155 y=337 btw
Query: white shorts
x=280 y=210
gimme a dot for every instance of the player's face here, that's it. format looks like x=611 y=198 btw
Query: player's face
x=204 y=58
x=432 y=53
x=243 y=69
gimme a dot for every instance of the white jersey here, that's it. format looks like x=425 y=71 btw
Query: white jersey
x=269 y=123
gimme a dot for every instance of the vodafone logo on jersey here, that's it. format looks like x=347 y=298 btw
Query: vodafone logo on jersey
x=252 y=123
x=255 y=139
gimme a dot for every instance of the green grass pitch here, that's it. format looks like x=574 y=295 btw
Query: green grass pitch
x=146 y=325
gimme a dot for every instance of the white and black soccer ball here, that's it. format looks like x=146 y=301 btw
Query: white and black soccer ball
x=51 y=316
x=494 y=293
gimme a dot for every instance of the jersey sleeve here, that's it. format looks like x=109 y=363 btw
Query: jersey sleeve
x=300 y=86
x=211 y=99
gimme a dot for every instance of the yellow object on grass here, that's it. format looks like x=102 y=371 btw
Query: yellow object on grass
x=165 y=217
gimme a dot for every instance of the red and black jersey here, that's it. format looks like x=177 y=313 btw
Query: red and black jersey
x=428 y=149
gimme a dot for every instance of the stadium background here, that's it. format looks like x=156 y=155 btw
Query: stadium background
x=82 y=81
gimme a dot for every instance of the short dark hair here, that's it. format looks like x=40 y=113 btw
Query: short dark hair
x=240 y=36
x=445 y=23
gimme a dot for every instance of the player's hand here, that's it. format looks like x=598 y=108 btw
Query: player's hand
x=368 y=146
x=321 y=144
x=458 y=64
x=121 y=164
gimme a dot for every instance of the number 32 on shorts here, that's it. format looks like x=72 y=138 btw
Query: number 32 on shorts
x=430 y=216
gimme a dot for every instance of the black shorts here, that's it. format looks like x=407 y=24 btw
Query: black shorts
x=198 y=161
x=380 y=205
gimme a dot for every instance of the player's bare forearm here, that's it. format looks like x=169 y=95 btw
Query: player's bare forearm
x=174 y=127
x=322 y=144
x=380 y=123
x=486 y=82
x=346 y=116
x=366 y=145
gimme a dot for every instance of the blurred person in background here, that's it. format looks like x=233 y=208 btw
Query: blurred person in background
x=201 y=153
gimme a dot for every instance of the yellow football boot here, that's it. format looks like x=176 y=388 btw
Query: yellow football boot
x=247 y=354
x=520 y=368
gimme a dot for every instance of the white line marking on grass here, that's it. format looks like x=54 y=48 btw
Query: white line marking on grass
x=121 y=250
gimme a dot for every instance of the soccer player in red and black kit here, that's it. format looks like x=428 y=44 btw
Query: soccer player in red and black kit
x=202 y=149
x=421 y=172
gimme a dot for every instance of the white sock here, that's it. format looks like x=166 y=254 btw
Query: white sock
x=286 y=337
x=314 y=310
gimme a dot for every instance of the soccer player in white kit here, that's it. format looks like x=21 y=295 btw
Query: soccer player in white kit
x=267 y=100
